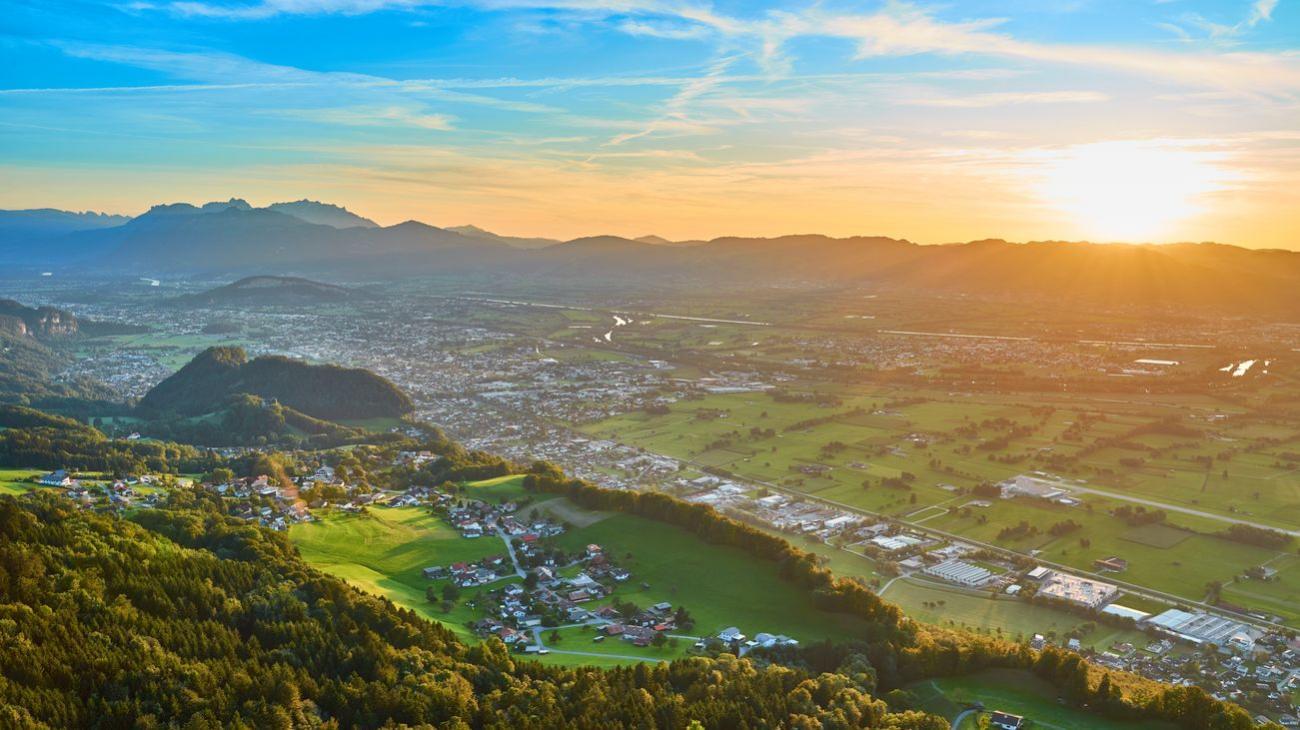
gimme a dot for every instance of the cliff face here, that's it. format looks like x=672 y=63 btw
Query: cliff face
x=41 y=323
x=13 y=326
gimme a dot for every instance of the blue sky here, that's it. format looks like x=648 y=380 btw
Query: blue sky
x=936 y=122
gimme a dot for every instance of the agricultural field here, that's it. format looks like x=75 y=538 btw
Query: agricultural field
x=172 y=351
x=945 y=605
x=720 y=586
x=17 y=481
x=914 y=456
x=383 y=551
x=1016 y=692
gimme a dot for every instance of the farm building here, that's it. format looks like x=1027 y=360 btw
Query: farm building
x=58 y=478
x=1006 y=721
x=1039 y=573
x=1113 y=564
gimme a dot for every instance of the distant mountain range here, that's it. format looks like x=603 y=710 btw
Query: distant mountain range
x=317 y=239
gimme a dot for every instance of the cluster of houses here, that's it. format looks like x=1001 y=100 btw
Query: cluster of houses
x=1265 y=677
x=468 y=575
x=554 y=594
x=640 y=628
x=474 y=518
x=103 y=495
x=258 y=499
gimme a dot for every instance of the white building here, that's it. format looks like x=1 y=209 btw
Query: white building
x=1033 y=487
x=960 y=572
x=1080 y=591
x=1204 y=628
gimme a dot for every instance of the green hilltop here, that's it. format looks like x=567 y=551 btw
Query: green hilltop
x=325 y=392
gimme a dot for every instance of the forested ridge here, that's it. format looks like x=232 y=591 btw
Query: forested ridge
x=203 y=622
x=329 y=392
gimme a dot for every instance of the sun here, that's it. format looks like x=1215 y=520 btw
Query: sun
x=1130 y=191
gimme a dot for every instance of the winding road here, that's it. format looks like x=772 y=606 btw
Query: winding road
x=961 y=717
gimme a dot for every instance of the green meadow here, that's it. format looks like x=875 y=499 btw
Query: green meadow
x=18 y=481
x=384 y=551
x=1010 y=618
x=1016 y=692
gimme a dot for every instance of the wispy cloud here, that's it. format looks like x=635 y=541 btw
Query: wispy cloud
x=1010 y=98
x=897 y=29
x=371 y=116
x=1260 y=11
x=676 y=115
x=659 y=29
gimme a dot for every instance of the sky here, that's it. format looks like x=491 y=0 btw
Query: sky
x=1105 y=120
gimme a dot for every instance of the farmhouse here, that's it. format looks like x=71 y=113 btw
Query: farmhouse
x=58 y=478
x=1080 y=591
x=1113 y=564
x=1006 y=721
x=959 y=572
x=730 y=634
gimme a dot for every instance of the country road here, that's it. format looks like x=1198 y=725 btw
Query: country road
x=510 y=548
x=1183 y=510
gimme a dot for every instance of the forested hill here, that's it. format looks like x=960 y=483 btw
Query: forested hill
x=261 y=290
x=200 y=621
x=209 y=382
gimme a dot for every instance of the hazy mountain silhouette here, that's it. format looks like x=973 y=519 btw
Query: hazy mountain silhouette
x=233 y=237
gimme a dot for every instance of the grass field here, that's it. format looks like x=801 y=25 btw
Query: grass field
x=1013 y=619
x=720 y=586
x=16 y=481
x=1016 y=692
x=1156 y=536
x=384 y=552
x=876 y=443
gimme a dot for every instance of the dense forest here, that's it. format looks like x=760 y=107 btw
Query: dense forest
x=182 y=616
x=329 y=392
x=200 y=621
x=33 y=439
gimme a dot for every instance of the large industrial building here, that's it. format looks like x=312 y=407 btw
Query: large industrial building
x=960 y=572
x=1081 y=591
x=1204 y=628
